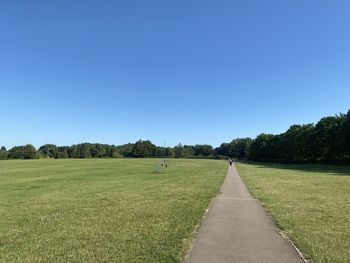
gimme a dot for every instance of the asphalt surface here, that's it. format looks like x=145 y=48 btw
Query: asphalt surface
x=237 y=229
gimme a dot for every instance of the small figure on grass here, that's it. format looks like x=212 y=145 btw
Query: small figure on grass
x=163 y=164
x=157 y=168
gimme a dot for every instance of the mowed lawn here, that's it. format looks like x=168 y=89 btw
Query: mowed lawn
x=310 y=202
x=103 y=210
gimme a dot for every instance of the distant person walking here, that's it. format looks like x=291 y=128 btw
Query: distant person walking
x=230 y=161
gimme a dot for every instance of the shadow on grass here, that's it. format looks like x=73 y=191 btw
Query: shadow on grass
x=343 y=170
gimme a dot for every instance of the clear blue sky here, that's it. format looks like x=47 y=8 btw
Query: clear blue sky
x=184 y=71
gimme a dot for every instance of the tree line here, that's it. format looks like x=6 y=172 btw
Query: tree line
x=326 y=141
x=138 y=149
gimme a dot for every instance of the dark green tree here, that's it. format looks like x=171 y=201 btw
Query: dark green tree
x=179 y=151
x=143 y=149
x=188 y=151
x=346 y=135
x=23 y=152
x=203 y=150
x=62 y=152
x=16 y=152
x=98 y=150
x=261 y=148
x=125 y=150
x=3 y=153
x=48 y=150
x=84 y=150
x=29 y=152
x=222 y=150
x=239 y=148
x=330 y=141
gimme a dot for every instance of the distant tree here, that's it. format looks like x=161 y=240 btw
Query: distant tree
x=3 y=153
x=330 y=140
x=48 y=150
x=23 y=152
x=169 y=152
x=108 y=150
x=203 y=150
x=346 y=135
x=62 y=152
x=125 y=150
x=84 y=150
x=73 y=151
x=98 y=150
x=239 y=148
x=297 y=144
x=188 y=151
x=112 y=151
x=143 y=149
x=29 y=152
x=178 y=151
x=160 y=152
x=261 y=148
x=222 y=150
x=16 y=152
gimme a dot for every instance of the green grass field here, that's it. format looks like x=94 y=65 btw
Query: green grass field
x=103 y=210
x=310 y=202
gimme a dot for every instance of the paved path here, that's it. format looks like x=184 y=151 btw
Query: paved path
x=237 y=229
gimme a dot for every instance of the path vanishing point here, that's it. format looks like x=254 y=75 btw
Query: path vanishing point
x=237 y=229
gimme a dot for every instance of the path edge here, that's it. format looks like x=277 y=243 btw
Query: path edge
x=194 y=234
x=281 y=231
